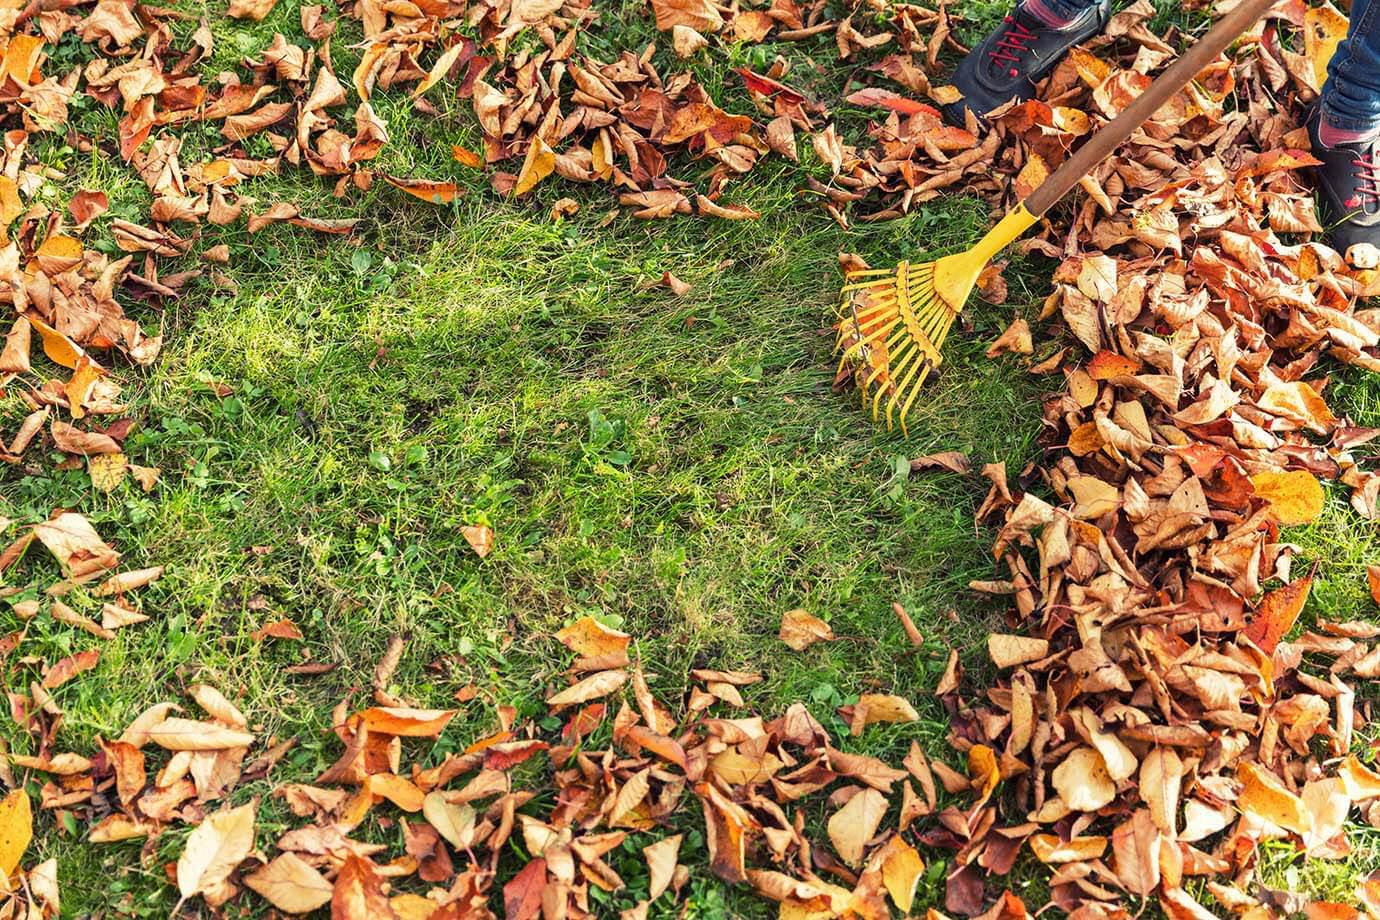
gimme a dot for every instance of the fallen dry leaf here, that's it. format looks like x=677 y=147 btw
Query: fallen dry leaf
x=214 y=849
x=800 y=630
x=290 y=884
x=855 y=823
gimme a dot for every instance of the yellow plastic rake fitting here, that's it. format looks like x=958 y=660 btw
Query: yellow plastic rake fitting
x=893 y=322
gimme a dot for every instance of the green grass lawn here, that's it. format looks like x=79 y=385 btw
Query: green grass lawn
x=679 y=466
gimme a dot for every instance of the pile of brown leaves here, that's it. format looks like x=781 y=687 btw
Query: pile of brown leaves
x=750 y=777
x=1150 y=725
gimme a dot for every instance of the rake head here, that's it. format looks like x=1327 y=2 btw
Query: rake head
x=893 y=322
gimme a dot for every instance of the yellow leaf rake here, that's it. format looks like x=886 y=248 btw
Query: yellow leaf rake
x=893 y=322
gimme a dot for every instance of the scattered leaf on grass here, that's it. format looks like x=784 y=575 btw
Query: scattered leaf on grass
x=800 y=630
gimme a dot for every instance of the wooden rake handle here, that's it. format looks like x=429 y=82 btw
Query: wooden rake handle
x=1178 y=75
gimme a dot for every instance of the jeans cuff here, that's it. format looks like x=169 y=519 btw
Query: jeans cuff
x=1361 y=125
x=1068 y=9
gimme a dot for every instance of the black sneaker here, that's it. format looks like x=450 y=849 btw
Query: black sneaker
x=1349 y=188
x=1018 y=54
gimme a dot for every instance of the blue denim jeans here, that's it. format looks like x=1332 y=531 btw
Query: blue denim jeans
x=1351 y=95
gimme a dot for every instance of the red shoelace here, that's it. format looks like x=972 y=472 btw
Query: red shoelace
x=1013 y=44
x=1367 y=191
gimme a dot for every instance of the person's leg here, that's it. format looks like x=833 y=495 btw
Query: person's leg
x=1351 y=95
x=1057 y=13
x=1344 y=128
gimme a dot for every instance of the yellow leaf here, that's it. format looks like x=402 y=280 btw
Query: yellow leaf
x=1050 y=849
x=413 y=907
x=540 y=163
x=1361 y=782
x=1263 y=795
x=1091 y=68
x=1082 y=780
x=22 y=57
x=591 y=639
x=16 y=830
x=1031 y=176
x=58 y=347
x=290 y=884
x=901 y=870
x=1299 y=403
x=661 y=864
x=1294 y=497
x=887 y=707
x=250 y=9
x=439 y=69
x=10 y=205
x=79 y=388
x=57 y=254
x=177 y=734
x=453 y=822
x=591 y=688
x=1008 y=650
x=855 y=823
x=214 y=849
x=107 y=471
x=1324 y=27
x=1082 y=388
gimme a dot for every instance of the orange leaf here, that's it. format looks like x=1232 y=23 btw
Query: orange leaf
x=1108 y=364
x=22 y=57
x=58 y=347
x=358 y=892
x=426 y=190
x=886 y=99
x=466 y=156
x=407 y=723
x=1263 y=795
x=1031 y=176
x=1277 y=613
x=70 y=667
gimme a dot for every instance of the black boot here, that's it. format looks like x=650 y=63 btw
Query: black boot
x=1018 y=54
x=1348 y=188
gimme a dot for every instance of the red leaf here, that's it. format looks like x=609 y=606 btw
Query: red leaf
x=769 y=87
x=522 y=895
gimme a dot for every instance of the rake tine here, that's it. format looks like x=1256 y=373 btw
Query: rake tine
x=900 y=389
x=895 y=354
x=908 y=353
x=859 y=345
x=915 y=392
x=872 y=310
